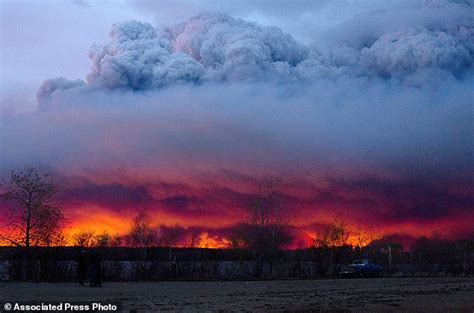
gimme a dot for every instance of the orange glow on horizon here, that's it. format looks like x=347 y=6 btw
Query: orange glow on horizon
x=205 y=241
x=210 y=234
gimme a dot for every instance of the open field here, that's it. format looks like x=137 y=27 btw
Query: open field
x=328 y=295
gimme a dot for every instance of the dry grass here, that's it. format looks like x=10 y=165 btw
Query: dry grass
x=338 y=295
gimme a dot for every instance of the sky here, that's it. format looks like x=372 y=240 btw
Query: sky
x=363 y=108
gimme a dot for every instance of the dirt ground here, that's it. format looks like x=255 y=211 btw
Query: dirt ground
x=325 y=295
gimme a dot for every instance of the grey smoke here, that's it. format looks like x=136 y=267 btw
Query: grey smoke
x=217 y=48
x=50 y=86
x=205 y=48
x=401 y=53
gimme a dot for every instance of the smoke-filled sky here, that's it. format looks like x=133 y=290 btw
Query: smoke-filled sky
x=363 y=108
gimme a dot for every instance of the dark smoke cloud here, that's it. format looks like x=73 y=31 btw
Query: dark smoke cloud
x=115 y=196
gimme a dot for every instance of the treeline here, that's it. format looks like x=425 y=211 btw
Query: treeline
x=427 y=257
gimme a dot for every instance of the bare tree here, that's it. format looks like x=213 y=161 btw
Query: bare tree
x=84 y=239
x=50 y=237
x=32 y=219
x=194 y=238
x=334 y=235
x=142 y=234
x=116 y=240
x=364 y=237
x=102 y=240
x=266 y=231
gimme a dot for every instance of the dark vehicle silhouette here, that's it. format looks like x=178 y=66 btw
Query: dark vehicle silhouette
x=362 y=268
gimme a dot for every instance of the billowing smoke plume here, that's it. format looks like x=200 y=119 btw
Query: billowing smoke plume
x=401 y=53
x=219 y=48
x=136 y=58
x=205 y=48
x=371 y=122
x=50 y=86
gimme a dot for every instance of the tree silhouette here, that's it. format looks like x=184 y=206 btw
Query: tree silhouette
x=334 y=235
x=142 y=234
x=84 y=239
x=32 y=220
x=266 y=231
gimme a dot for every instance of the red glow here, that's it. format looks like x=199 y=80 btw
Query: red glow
x=211 y=207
